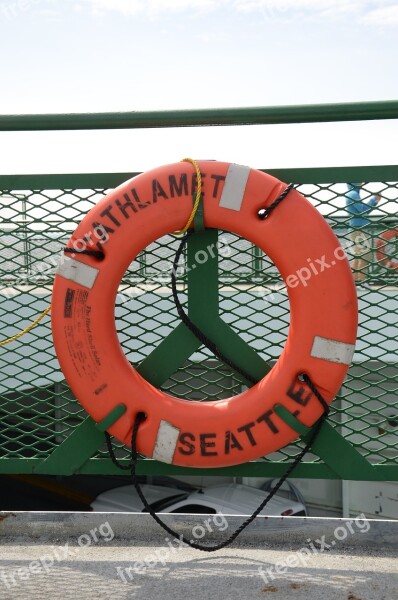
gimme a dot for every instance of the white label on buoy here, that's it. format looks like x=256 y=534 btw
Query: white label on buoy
x=78 y=272
x=332 y=350
x=234 y=187
x=166 y=442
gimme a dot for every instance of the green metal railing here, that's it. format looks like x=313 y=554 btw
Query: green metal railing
x=42 y=427
x=263 y=115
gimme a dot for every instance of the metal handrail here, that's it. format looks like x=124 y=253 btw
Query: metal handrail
x=305 y=113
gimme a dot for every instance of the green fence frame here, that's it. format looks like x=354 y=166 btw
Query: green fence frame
x=74 y=455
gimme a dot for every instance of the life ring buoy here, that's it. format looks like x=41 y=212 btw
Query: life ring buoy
x=321 y=336
x=381 y=253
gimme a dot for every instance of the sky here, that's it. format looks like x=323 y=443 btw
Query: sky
x=133 y=55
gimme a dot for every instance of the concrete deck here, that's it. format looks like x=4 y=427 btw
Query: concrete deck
x=127 y=556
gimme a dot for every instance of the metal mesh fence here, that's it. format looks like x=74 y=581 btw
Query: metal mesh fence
x=37 y=409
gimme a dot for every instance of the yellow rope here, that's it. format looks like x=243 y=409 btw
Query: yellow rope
x=21 y=333
x=198 y=195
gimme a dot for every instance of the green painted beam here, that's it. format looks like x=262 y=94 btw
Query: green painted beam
x=168 y=356
x=268 y=469
x=101 y=466
x=310 y=470
x=336 y=174
x=251 y=115
x=202 y=277
x=68 y=181
x=80 y=446
x=203 y=306
x=112 y=180
x=338 y=454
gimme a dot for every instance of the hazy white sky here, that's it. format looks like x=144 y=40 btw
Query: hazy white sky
x=111 y=55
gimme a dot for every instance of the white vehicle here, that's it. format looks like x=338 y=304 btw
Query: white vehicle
x=228 y=499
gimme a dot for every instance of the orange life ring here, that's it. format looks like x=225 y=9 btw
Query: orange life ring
x=381 y=244
x=321 y=336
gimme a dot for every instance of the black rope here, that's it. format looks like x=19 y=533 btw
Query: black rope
x=141 y=417
x=96 y=253
x=316 y=392
x=263 y=213
x=192 y=327
x=112 y=454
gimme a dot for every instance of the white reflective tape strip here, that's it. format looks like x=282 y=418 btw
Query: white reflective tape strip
x=234 y=187
x=166 y=442
x=332 y=350
x=78 y=272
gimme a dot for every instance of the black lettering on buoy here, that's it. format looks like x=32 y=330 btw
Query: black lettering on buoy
x=204 y=444
x=107 y=213
x=157 y=191
x=103 y=227
x=180 y=188
x=217 y=178
x=184 y=441
x=266 y=418
x=231 y=442
x=69 y=297
x=126 y=205
x=247 y=429
x=137 y=199
x=194 y=183
x=297 y=394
